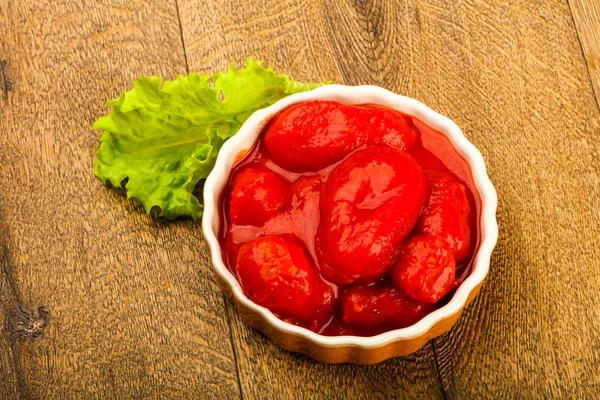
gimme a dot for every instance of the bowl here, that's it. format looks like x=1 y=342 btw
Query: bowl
x=350 y=349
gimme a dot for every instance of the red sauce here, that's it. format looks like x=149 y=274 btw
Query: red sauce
x=350 y=220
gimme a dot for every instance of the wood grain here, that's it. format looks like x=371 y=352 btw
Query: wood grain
x=129 y=306
x=133 y=307
x=586 y=15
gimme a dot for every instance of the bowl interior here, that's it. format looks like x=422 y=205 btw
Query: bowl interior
x=234 y=149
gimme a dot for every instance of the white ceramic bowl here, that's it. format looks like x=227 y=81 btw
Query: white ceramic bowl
x=355 y=349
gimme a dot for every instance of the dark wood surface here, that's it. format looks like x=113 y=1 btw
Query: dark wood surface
x=98 y=300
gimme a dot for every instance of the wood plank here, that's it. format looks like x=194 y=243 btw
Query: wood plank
x=303 y=41
x=9 y=376
x=586 y=15
x=512 y=76
x=133 y=308
x=11 y=384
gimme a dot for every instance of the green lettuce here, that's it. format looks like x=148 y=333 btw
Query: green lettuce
x=162 y=138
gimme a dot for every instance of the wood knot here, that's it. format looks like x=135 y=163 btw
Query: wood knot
x=6 y=84
x=27 y=323
x=360 y=3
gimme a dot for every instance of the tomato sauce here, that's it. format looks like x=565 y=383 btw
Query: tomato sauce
x=350 y=220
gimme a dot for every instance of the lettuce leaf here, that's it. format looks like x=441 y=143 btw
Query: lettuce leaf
x=163 y=137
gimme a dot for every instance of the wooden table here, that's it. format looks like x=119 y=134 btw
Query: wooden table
x=98 y=300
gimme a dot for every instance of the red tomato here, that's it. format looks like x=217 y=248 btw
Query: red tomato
x=274 y=271
x=381 y=306
x=426 y=269
x=369 y=205
x=447 y=214
x=314 y=135
x=257 y=195
x=385 y=126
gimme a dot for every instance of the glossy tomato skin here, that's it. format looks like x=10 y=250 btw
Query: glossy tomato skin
x=388 y=127
x=446 y=214
x=257 y=195
x=369 y=205
x=311 y=136
x=381 y=306
x=275 y=272
x=426 y=269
